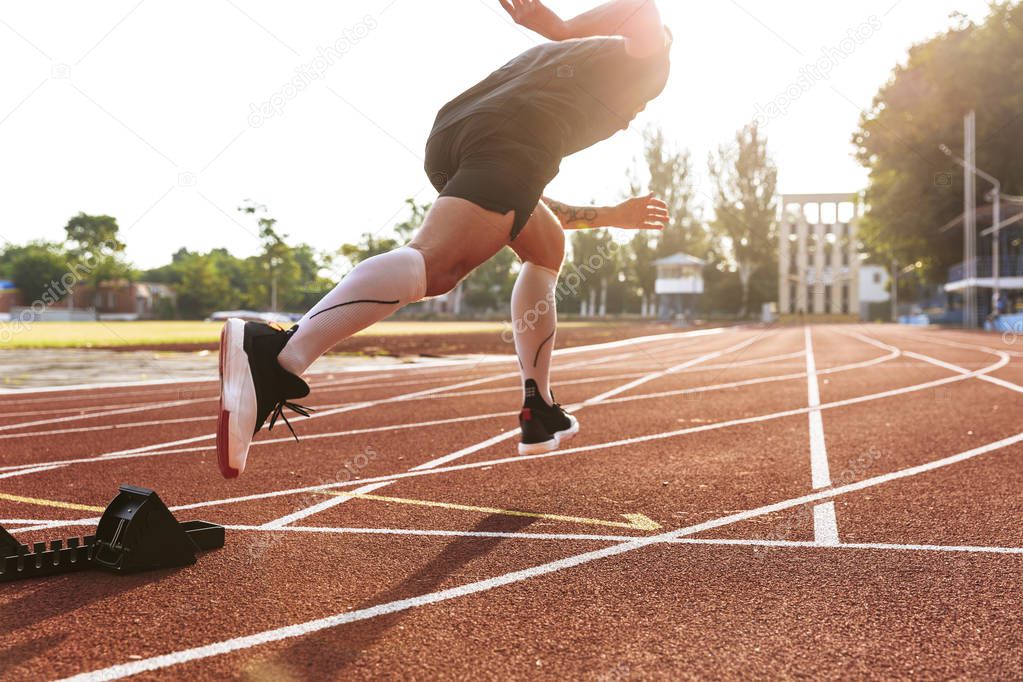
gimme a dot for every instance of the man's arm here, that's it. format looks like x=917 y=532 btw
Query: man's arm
x=638 y=21
x=638 y=213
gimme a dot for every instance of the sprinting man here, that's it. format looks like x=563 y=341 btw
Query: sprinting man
x=492 y=151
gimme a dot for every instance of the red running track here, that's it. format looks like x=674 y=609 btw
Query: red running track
x=843 y=501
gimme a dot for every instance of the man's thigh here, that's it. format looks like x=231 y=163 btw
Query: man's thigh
x=542 y=240
x=456 y=237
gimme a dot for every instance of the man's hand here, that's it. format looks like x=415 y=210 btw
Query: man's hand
x=640 y=213
x=535 y=16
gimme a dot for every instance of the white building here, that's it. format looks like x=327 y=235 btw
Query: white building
x=874 y=285
x=679 y=286
x=818 y=255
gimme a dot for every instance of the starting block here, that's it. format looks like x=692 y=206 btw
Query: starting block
x=136 y=533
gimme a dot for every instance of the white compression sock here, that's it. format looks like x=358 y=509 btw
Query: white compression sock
x=534 y=322
x=375 y=289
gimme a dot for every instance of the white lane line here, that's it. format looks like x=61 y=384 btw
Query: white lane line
x=820 y=470
x=450 y=387
x=948 y=365
x=108 y=413
x=630 y=441
x=894 y=353
x=446 y=459
x=587 y=537
x=186 y=420
x=366 y=369
x=105 y=427
x=588 y=448
x=30 y=470
x=91 y=387
x=23 y=522
x=671 y=370
x=956 y=344
x=614 y=444
x=324 y=505
x=269 y=441
x=825 y=524
x=476 y=587
x=118 y=454
x=962 y=370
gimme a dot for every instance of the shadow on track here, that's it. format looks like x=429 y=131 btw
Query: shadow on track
x=43 y=599
x=327 y=654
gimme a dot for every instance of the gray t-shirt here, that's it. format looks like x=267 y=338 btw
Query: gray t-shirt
x=569 y=95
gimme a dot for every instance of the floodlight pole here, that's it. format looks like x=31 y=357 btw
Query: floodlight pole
x=996 y=247
x=895 y=291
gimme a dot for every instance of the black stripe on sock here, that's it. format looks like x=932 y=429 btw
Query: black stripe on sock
x=537 y=358
x=363 y=300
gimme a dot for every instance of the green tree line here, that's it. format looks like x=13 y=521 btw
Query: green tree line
x=914 y=188
x=292 y=277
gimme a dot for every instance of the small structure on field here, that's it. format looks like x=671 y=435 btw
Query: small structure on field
x=679 y=286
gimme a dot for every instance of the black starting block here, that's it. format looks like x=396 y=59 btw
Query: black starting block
x=136 y=533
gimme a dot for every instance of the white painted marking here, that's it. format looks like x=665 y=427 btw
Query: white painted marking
x=476 y=587
x=441 y=389
x=108 y=413
x=419 y=366
x=415 y=425
x=600 y=446
x=30 y=470
x=464 y=452
x=825 y=524
x=962 y=370
x=588 y=448
x=90 y=387
x=586 y=537
x=106 y=427
x=671 y=370
x=613 y=444
x=22 y=522
x=949 y=366
x=323 y=505
x=820 y=470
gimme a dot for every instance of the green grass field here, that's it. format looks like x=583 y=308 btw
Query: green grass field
x=120 y=334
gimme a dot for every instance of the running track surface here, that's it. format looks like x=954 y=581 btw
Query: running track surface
x=786 y=502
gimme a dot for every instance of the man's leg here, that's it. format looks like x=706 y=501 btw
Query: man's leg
x=456 y=237
x=541 y=246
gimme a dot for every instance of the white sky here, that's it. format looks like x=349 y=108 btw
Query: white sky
x=141 y=110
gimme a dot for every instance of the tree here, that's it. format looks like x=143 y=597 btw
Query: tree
x=668 y=174
x=277 y=262
x=671 y=179
x=39 y=269
x=97 y=250
x=913 y=188
x=595 y=271
x=489 y=286
x=745 y=179
x=373 y=244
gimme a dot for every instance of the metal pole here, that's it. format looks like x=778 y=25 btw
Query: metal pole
x=895 y=291
x=970 y=222
x=996 y=247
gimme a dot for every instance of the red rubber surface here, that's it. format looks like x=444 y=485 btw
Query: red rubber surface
x=924 y=582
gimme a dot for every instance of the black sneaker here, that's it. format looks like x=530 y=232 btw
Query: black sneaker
x=253 y=388
x=544 y=427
